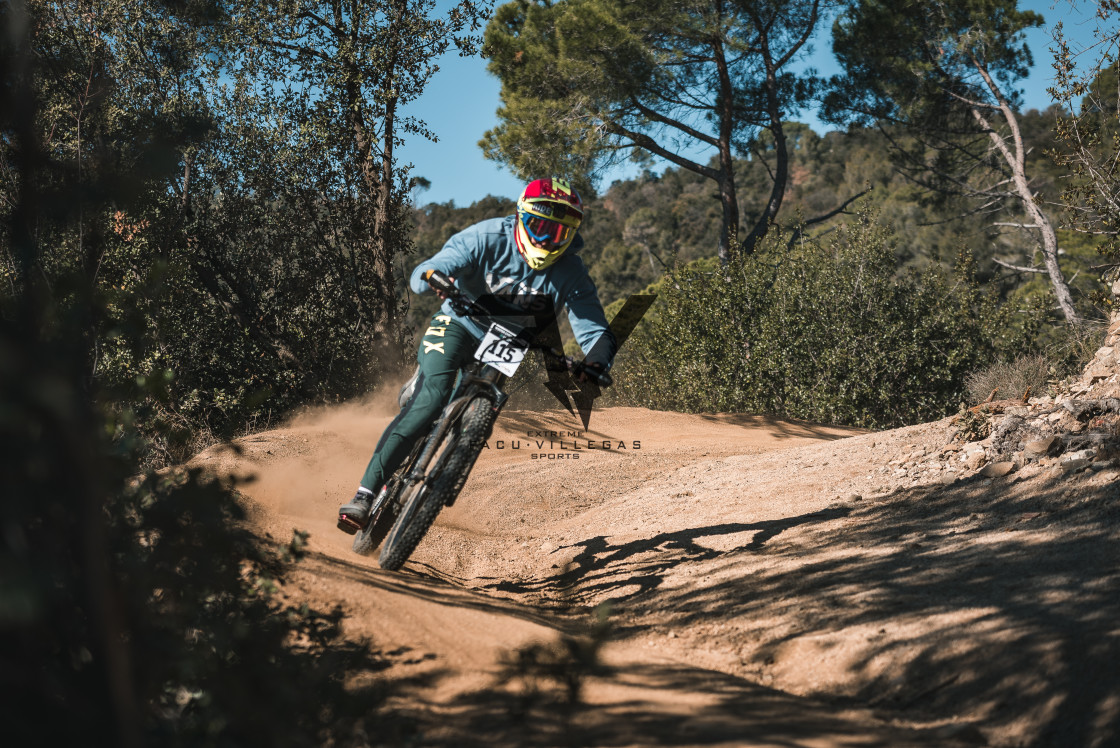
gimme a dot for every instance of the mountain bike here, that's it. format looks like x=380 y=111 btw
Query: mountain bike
x=437 y=469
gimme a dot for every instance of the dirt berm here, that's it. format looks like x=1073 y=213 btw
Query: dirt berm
x=762 y=582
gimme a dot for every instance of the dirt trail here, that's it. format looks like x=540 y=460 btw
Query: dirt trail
x=765 y=584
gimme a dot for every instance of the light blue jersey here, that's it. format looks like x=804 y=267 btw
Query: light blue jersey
x=483 y=259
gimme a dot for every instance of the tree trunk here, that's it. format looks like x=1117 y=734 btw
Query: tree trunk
x=1016 y=162
x=781 y=153
x=386 y=325
x=729 y=231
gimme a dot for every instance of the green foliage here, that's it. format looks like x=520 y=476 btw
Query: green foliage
x=222 y=180
x=973 y=424
x=824 y=332
x=200 y=591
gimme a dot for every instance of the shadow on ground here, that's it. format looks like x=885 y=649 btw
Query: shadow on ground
x=998 y=601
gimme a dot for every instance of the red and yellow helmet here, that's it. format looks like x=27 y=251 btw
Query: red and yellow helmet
x=549 y=213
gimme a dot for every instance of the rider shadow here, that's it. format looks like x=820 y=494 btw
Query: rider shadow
x=602 y=567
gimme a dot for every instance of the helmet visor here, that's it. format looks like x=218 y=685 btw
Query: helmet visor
x=545 y=230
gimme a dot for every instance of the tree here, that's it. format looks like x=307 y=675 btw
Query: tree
x=257 y=198
x=1089 y=134
x=944 y=71
x=347 y=69
x=586 y=81
x=140 y=608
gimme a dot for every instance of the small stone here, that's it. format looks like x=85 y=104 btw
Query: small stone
x=1098 y=372
x=1041 y=446
x=855 y=497
x=973 y=460
x=1077 y=460
x=998 y=469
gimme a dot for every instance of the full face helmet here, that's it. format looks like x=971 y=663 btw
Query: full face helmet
x=549 y=213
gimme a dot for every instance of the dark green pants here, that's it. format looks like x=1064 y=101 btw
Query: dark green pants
x=444 y=349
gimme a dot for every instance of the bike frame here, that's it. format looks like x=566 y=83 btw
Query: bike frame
x=487 y=383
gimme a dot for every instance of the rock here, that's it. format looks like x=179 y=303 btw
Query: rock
x=998 y=469
x=973 y=460
x=1077 y=460
x=1010 y=422
x=1042 y=446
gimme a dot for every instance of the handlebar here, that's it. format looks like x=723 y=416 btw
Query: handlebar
x=467 y=307
x=441 y=282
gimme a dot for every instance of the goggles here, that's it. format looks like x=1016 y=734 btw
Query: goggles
x=546 y=230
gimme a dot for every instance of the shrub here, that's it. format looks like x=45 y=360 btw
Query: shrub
x=824 y=332
x=1010 y=379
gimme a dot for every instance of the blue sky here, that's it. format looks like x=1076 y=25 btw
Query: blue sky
x=460 y=102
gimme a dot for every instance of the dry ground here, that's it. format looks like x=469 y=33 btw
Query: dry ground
x=763 y=583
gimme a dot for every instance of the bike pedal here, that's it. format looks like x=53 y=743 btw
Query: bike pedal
x=348 y=526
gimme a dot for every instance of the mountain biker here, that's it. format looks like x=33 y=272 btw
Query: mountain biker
x=529 y=257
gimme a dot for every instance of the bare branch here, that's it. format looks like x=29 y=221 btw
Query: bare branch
x=838 y=210
x=658 y=117
x=1018 y=269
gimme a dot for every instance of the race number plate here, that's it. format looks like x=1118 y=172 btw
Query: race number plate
x=501 y=349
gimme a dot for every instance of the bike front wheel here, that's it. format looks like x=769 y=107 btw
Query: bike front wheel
x=441 y=485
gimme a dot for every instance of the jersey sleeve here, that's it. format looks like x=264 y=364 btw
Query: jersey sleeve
x=589 y=321
x=458 y=258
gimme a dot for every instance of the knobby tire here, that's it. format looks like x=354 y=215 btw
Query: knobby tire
x=441 y=486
